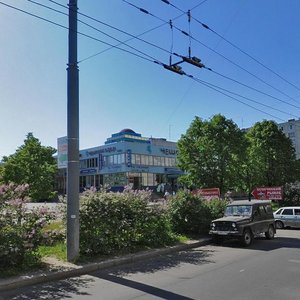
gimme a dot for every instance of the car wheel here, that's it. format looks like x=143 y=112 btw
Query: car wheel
x=279 y=225
x=247 y=238
x=270 y=233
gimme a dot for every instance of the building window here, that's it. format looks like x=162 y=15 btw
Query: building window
x=137 y=159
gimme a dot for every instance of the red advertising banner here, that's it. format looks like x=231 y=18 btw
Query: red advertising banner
x=208 y=193
x=268 y=193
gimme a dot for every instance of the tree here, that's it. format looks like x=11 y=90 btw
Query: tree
x=32 y=164
x=211 y=153
x=272 y=159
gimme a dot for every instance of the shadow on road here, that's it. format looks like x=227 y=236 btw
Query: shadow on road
x=163 y=262
x=148 y=289
x=52 y=290
x=261 y=243
x=79 y=286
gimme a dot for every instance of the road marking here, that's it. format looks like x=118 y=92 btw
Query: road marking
x=242 y=270
x=294 y=261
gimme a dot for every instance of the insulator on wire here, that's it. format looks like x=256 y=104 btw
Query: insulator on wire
x=175 y=69
x=194 y=61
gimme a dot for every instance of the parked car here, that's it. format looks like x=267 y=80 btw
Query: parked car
x=244 y=220
x=287 y=217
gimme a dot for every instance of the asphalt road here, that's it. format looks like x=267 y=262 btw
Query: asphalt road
x=266 y=270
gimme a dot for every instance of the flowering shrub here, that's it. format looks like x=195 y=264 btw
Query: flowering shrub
x=20 y=228
x=112 y=222
x=188 y=213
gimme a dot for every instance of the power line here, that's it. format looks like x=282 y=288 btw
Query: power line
x=211 y=49
x=231 y=97
x=80 y=33
x=246 y=98
x=104 y=33
x=236 y=47
x=196 y=6
x=115 y=28
x=211 y=86
x=171 y=51
x=254 y=89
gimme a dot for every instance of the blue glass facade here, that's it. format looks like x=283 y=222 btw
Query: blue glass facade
x=127 y=158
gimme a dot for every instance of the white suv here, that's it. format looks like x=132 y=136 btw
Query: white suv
x=287 y=217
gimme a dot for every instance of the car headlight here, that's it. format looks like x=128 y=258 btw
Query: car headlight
x=213 y=225
x=233 y=225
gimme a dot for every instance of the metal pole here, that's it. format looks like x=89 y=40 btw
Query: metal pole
x=73 y=139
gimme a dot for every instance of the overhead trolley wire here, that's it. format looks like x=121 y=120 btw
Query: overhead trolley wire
x=235 y=46
x=137 y=37
x=209 y=85
x=216 y=52
x=219 y=74
x=104 y=33
x=80 y=33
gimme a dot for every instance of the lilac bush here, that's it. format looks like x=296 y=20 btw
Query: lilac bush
x=115 y=222
x=20 y=228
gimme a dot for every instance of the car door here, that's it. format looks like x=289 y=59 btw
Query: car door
x=259 y=224
x=287 y=216
x=297 y=217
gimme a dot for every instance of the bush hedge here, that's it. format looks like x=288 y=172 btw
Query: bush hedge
x=112 y=222
x=20 y=229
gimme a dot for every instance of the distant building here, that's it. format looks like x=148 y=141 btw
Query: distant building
x=291 y=129
x=126 y=158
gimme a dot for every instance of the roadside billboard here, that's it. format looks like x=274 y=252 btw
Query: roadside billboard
x=209 y=193
x=268 y=193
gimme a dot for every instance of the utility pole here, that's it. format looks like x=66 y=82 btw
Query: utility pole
x=73 y=139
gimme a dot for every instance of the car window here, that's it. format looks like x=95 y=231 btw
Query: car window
x=297 y=211
x=287 y=211
x=238 y=210
x=262 y=210
x=269 y=209
x=278 y=212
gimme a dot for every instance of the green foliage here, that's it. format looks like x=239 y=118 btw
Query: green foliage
x=291 y=194
x=216 y=207
x=271 y=156
x=189 y=214
x=20 y=229
x=112 y=222
x=211 y=153
x=215 y=153
x=32 y=164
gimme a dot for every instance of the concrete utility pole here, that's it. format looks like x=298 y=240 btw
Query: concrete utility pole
x=73 y=139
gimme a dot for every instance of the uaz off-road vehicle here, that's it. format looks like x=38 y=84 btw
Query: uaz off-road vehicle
x=244 y=220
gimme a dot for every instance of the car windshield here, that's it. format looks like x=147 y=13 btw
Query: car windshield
x=238 y=210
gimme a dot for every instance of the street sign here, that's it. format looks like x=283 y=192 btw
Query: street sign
x=208 y=194
x=268 y=193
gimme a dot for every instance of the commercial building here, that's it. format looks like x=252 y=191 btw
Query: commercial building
x=126 y=158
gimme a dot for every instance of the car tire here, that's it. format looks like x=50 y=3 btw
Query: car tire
x=270 y=233
x=247 y=238
x=279 y=225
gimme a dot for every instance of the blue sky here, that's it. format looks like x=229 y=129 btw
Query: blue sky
x=120 y=90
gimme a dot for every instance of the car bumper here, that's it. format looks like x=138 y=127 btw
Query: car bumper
x=224 y=233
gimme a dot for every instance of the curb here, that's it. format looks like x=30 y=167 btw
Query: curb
x=23 y=281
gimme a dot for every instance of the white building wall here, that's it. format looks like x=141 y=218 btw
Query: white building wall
x=291 y=129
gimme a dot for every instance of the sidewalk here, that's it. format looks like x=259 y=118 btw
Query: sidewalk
x=61 y=270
